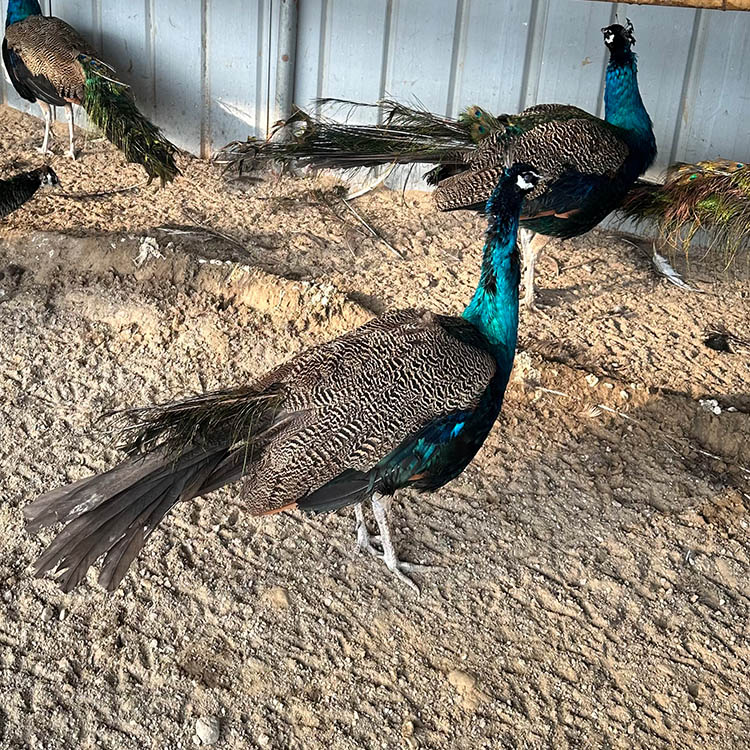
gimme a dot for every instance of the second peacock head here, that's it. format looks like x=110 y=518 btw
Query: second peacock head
x=619 y=39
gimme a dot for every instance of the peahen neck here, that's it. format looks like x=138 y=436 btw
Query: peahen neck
x=20 y=9
x=494 y=307
x=623 y=105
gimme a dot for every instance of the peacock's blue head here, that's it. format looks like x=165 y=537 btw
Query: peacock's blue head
x=517 y=181
x=20 y=9
x=619 y=39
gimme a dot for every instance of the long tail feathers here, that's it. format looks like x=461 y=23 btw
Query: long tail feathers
x=110 y=106
x=112 y=514
x=711 y=197
x=191 y=448
x=407 y=136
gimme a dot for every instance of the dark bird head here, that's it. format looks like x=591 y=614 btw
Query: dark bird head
x=47 y=177
x=517 y=181
x=619 y=39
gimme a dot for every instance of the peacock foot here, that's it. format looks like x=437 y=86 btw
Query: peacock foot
x=401 y=569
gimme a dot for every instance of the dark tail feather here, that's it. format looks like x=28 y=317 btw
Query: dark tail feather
x=110 y=106
x=407 y=136
x=348 y=488
x=180 y=450
x=112 y=514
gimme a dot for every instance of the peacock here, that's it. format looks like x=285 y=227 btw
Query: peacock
x=406 y=400
x=14 y=192
x=590 y=163
x=712 y=197
x=50 y=63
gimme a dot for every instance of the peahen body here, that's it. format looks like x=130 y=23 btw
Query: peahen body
x=404 y=401
x=590 y=163
x=15 y=191
x=711 y=197
x=50 y=63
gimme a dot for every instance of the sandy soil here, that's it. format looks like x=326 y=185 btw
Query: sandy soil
x=589 y=571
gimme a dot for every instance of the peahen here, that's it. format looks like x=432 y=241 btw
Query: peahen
x=591 y=163
x=15 y=191
x=404 y=401
x=50 y=63
x=711 y=197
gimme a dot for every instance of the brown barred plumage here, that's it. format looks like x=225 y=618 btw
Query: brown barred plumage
x=49 y=48
x=579 y=141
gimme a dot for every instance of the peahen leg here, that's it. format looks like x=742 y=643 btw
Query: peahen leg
x=364 y=540
x=532 y=246
x=47 y=112
x=71 y=120
x=381 y=507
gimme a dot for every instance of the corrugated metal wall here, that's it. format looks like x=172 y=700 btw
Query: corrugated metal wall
x=204 y=69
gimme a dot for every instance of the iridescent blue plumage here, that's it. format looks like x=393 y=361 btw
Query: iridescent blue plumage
x=20 y=9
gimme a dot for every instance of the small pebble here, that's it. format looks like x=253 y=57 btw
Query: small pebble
x=47 y=614
x=7 y=595
x=264 y=740
x=63 y=614
x=591 y=379
x=207 y=730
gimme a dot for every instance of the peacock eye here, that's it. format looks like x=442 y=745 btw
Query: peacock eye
x=478 y=113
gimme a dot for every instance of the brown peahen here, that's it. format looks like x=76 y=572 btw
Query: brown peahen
x=711 y=197
x=50 y=63
x=590 y=163
x=404 y=401
x=15 y=191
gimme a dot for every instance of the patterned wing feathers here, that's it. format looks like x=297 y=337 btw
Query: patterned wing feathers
x=49 y=49
x=555 y=147
x=353 y=400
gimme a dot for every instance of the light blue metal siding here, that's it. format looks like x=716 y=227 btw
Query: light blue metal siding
x=204 y=69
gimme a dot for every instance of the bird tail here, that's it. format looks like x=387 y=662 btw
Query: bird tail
x=186 y=449
x=712 y=197
x=111 y=107
x=407 y=135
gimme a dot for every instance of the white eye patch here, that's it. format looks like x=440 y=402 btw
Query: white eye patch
x=523 y=183
x=609 y=37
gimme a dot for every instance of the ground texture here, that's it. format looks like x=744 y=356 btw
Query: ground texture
x=589 y=580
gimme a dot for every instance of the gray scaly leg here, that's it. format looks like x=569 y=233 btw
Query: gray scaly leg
x=47 y=112
x=364 y=540
x=532 y=246
x=71 y=119
x=381 y=507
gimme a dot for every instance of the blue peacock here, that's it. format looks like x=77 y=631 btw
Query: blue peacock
x=50 y=63
x=590 y=164
x=404 y=401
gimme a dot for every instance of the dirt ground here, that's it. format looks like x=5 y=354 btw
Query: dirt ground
x=588 y=581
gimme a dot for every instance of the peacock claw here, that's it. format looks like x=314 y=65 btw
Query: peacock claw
x=364 y=542
x=400 y=571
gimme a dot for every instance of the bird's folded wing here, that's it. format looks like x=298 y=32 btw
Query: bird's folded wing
x=555 y=147
x=360 y=396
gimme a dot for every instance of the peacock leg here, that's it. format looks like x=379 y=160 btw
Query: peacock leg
x=532 y=246
x=47 y=112
x=71 y=119
x=381 y=507
x=364 y=540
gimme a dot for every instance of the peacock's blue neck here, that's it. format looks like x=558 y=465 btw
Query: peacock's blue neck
x=20 y=9
x=494 y=307
x=623 y=105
